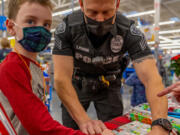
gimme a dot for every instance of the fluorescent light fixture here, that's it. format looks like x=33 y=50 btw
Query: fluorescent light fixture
x=9 y=38
x=163 y=42
x=170 y=47
x=65 y=11
x=169 y=31
x=163 y=23
x=165 y=39
x=167 y=22
x=175 y=51
x=170 y=44
x=141 y=14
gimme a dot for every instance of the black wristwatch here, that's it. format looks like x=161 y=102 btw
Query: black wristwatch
x=164 y=123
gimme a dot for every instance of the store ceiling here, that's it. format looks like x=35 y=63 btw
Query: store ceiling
x=169 y=12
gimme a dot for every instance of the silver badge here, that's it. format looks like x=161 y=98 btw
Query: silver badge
x=117 y=43
x=61 y=28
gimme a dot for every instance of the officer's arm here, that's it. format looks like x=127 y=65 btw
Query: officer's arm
x=63 y=70
x=147 y=72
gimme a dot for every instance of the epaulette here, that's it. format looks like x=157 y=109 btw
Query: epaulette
x=123 y=21
x=75 y=18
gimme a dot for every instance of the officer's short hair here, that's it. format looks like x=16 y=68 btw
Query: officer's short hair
x=14 y=6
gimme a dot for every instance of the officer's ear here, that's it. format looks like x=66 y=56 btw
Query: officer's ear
x=81 y=5
x=117 y=5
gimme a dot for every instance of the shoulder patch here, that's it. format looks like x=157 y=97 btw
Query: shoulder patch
x=135 y=31
x=61 y=28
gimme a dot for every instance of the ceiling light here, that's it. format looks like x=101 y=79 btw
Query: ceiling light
x=64 y=12
x=141 y=14
x=170 y=47
x=167 y=22
x=169 y=31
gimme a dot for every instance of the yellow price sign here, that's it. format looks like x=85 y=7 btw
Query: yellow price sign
x=12 y=42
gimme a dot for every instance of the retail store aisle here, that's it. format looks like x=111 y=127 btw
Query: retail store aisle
x=56 y=109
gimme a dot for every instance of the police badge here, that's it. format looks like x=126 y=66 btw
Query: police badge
x=61 y=28
x=116 y=44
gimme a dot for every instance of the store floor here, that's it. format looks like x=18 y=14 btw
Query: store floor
x=56 y=109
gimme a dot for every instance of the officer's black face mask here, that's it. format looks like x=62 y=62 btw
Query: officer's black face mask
x=99 y=28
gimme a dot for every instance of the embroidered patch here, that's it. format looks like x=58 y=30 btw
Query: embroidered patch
x=61 y=28
x=136 y=32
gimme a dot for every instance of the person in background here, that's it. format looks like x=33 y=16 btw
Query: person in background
x=175 y=87
x=138 y=94
x=5 y=50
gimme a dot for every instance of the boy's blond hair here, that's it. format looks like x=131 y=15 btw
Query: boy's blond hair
x=14 y=6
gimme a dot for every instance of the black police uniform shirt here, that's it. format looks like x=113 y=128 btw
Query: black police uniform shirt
x=72 y=39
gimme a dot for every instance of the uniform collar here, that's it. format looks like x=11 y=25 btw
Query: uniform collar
x=114 y=30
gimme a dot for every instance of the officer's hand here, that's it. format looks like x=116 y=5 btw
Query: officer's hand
x=107 y=132
x=92 y=127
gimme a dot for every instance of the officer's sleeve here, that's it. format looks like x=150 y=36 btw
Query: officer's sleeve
x=136 y=44
x=62 y=40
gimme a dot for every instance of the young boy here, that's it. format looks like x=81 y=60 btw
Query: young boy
x=21 y=79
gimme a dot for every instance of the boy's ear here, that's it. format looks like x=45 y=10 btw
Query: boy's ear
x=10 y=27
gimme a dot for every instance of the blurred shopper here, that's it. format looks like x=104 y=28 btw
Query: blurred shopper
x=5 y=50
x=138 y=94
x=175 y=88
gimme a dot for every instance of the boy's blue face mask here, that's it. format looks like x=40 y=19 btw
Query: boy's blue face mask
x=35 y=39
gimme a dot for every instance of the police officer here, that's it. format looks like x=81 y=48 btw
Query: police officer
x=89 y=48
